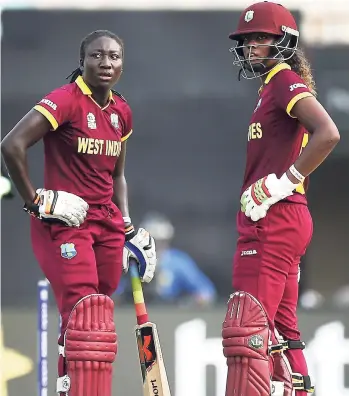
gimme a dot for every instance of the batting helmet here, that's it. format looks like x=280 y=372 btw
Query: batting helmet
x=270 y=18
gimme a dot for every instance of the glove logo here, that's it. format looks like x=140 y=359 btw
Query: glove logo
x=256 y=341
x=68 y=250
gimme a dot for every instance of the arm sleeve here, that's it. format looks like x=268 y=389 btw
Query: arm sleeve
x=128 y=123
x=56 y=107
x=290 y=88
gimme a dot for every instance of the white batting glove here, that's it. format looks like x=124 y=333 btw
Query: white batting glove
x=259 y=197
x=142 y=248
x=60 y=205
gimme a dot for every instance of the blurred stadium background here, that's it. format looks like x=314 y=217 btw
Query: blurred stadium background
x=190 y=120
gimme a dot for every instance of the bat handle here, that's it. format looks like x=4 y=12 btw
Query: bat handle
x=137 y=291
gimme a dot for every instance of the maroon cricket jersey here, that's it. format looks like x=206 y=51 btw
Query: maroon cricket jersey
x=275 y=137
x=84 y=144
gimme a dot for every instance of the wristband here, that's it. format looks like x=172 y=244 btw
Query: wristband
x=287 y=184
x=129 y=232
x=296 y=174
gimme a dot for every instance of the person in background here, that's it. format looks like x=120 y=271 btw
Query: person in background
x=178 y=278
x=340 y=298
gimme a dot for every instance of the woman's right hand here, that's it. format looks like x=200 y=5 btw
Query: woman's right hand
x=60 y=205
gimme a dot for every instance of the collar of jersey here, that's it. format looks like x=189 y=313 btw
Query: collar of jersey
x=275 y=70
x=86 y=90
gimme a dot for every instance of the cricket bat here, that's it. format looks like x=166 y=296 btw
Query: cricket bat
x=154 y=377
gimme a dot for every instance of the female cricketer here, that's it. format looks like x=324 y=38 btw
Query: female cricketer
x=289 y=136
x=80 y=218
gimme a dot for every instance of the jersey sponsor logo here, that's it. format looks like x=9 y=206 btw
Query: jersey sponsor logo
x=91 y=121
x=111 y=148
x=114 y=119
x=298 y=85
x=249 y=16
x=68 y=250
x=255 y=131
x=49 y=103
x=248 y=252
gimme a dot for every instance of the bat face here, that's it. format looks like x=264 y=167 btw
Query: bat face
x=153 y=371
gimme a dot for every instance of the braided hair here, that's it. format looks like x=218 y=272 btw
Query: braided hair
x=88 y=40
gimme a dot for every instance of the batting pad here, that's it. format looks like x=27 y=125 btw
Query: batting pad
x=90 y=346
x=246 y=337
x=283 y=372
x=282 y=369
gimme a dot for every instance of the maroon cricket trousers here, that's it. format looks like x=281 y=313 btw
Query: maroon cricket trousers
x=266 y=265
x=80 y=261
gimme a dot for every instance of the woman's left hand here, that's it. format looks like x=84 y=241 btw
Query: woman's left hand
x=142 y=248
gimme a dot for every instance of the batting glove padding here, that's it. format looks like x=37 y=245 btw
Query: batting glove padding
x=265 y=192
x=142 y=248
x=60 y=205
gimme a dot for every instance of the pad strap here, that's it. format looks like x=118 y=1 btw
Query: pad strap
x=302 y=382
x=288 y=344
x=61 y=350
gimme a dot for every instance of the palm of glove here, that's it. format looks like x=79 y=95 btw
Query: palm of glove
x=142 y=248
x=262 y=194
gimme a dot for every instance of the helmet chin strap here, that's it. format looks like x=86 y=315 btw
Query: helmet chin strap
x=254 y=69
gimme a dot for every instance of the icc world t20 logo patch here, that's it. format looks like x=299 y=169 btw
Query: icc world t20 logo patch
x=91 y=121
x=114 y=119
x=68 y=250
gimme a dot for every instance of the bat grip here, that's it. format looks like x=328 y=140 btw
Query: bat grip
x=137 y=291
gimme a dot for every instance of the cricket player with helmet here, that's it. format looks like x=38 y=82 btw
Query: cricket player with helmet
x=81 y=230
x=290 y=134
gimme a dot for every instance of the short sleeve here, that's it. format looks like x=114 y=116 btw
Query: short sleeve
x=56 y=107
x=289 y=89
x=128 y=123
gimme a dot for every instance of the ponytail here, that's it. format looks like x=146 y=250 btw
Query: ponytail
x=74 y=75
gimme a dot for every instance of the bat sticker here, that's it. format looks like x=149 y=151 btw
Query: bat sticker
x=146 y=349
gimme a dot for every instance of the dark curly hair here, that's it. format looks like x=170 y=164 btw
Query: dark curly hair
x=300 y=65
